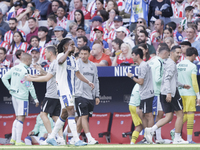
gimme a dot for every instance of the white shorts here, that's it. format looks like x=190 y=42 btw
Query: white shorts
x=156 y=105
x=20 y=107
x=66 y=100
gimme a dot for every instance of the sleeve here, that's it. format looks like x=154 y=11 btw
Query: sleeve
x=96 y=83
x=43 y=11
x=37 y=126
x=142 y=72
x=194 y=80
x=5 y=79
x=167 y=12
x=32 y=90
x=167 y=77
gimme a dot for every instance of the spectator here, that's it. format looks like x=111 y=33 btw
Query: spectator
x=72 y=6
x=13 y=28
x=72 y=31
x=58 y=32
x=36 y=59
x=99 y=6
x=78 y=4
x=142 y=22
x=3 y=24
x=123 y=55
x=116 y=45
x=178 y=7
x=81 y=32
x=191 y=35
x=105 y=50
x=169 y=41
x=42 y=35
x=91 y=7
x=81 y=41
x=145 y=50
x=52 y=23
x=110 y=22
x=13 y=14
x=104 y=16
x=142 y=38
x=122 y=34
x=157 y=34
x=18 y=55
x=42 y=6
x=4 y=63
x=3 y=8
x=3 y=43
x=167 y=33
x=34 y=12
x=54 y=7
x=17 y=43
x=97 y=21
x=98 y=57
x=22 y=19
x=61 y=19
x=32 y=23
x=99 y=35
x=160 y=9
x=111 y=5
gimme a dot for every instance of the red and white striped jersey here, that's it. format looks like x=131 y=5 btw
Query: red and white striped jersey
x=62 y=23
x=153 y=38
x=112 y=34
x=42 y=52
x=85 y=13
x=111 y=25
x=93 y=35
x=178 y=11
x=183 y=57
x=121 y=5
x=92 y=7
x=38 y=17
x=8 y=37
x=5 y=63
x=22 y=45
x=4 y=44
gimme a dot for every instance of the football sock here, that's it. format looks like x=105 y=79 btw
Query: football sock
x=58 y=125
x=158 y=134
x=28 y=140
x=89 y=137
x=72 y=126
x=135 y=136
x=177 y=136
x=14 y=130
x=184 y=118
x=154 y=128
x=190 y=123
x=19 y=129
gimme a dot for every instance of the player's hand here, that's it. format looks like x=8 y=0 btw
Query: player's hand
x=45 y=135
x=28 y=78
x=31 y=133
x=97 y=100
x=198 y=102
x=37 y=104
x=169 y=98
x=186 y=86
x=91 y=85
x=129 y=74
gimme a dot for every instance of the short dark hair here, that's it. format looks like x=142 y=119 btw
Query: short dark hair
x=52 y=48
x=164 y=48
x=191 y=50
x=83 y=37
x=14 y=19
x=197 y=21
x=4 y=50
x=189 y=8
x=145 y=32
x=118 y=41
x=59 y=2
x=35 y=36
x=60 y=46
x=85 y=48
x=43 y=28
x=32 y=19
x=138 y=51
x=52 y=18
x=174 y=48
x=172 y=25
x=186 y=43
x=18 y=53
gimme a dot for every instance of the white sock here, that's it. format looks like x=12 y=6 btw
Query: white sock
x=65 y=131
x=158 y=134
x=89 y=137
x=14 y=130
x=19 y=129
x=27 y=141
x=189 y=138
x=177 y=136
x=154 y=128
x=58 y=125
x=72 y=126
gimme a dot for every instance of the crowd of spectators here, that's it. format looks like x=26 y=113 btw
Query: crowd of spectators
x=31 y=25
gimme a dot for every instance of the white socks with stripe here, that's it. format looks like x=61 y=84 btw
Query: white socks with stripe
x=89 y=137
x=14 y=130
x=58 y=125
x=19 y=129
x=72 y=126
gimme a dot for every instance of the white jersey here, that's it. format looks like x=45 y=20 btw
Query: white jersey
x=65 y=78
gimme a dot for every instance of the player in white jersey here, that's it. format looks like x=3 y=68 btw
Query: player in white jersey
x=65 y=78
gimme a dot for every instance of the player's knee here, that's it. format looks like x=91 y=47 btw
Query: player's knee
x=71 y=111
x=64 y=114
x=42 y=114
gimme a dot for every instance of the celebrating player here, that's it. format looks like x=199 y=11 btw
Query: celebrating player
x=19 y=88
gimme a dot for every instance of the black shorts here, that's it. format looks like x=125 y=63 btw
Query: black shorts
x=146 y=105
x=84 y=106
x=51 y=106
x=175 y=104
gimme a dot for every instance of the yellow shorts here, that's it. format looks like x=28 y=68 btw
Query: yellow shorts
x=189 y=103
x=136 y=119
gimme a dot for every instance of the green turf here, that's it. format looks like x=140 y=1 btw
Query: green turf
x=107 y=147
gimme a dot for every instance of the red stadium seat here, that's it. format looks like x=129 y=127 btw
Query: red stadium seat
x=99 y=123
x=6 y=121
x=29 y=124
x=122 y=122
